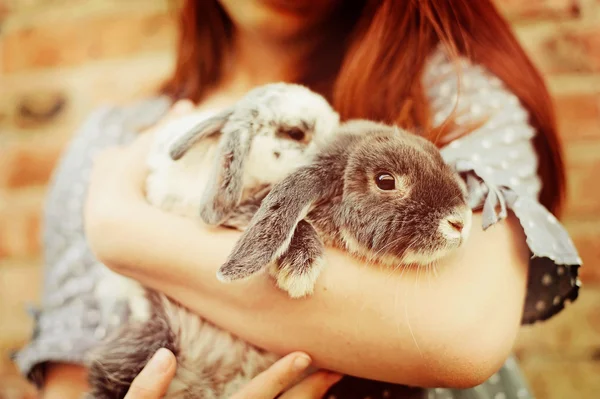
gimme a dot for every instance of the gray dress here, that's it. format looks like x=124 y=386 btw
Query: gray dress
x=498 y=162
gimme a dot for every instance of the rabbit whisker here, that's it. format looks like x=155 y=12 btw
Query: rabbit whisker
x=408 y=323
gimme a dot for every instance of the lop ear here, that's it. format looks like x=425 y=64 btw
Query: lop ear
x=226 y=182
x=271 y=229
x=206 y=128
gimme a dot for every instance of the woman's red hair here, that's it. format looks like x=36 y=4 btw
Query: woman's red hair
x=388 y=42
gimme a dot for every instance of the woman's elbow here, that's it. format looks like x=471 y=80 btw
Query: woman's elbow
x=470 y=354
x=474 y=365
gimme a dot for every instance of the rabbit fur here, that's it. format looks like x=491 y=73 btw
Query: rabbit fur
x=218 y=169
x=376 y=191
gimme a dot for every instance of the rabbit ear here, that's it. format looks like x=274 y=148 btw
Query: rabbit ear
x=205 y=128
x=270 y=231
x=226 y=183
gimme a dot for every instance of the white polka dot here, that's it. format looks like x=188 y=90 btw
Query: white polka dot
x=512 y=99
x=531 y=224
x=65 y=346
x=115 y=320
x=555 y=246
x=476 y=109
x=495 y=82
x=475 y=157
x=504 y=165
x=522 y=393
x=524 y=172
x=93 y=316
x=438 y=119
x=560 y=270
x=100 y=332
x=500 y=395
x=445 y=90
x=513 y=154
x=495 y=103
x=454 y=144
x=546 y=279
x=492 y=124
x=495 y=378
x=509 y=136
x=540 y=306
x=486 y=144
x=556 y=300
x=514 y=181
x=510 y=364
x=489 y=169
x=385 y=394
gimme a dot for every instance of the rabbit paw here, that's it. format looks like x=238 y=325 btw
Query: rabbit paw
x=297 y=269
x=297 y=279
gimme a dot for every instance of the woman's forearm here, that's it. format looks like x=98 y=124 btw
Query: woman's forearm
x=452 y=326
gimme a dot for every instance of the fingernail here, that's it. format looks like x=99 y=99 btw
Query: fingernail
x=161 y=361
x=182 y=106
x=332 y=377
x=301 y=362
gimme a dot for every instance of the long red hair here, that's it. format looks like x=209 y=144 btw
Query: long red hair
x=388 y=42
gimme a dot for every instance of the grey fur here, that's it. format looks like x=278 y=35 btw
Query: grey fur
x=337 y=196
x=206 y=128
x=213 y=363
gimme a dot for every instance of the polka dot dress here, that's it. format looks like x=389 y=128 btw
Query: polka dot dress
x=497 y=161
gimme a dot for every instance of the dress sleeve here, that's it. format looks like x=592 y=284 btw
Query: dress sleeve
x=499 y=164
x=71 y=318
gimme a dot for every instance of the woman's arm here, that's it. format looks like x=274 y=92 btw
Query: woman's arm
x=452 y=327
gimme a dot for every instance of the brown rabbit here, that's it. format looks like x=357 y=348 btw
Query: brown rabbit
x=377 y=191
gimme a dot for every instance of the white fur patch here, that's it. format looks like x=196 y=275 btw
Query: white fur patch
x=113 y=288
x=296 y=284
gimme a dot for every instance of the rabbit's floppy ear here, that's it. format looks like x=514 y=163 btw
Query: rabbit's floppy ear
x=206 y=128
x=272 y=227
x=226 y=183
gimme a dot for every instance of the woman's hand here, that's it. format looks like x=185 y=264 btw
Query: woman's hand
x=117 y=182
x=153 y=381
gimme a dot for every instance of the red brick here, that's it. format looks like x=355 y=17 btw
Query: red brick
x=15 y=387
x=518 y=10
x=573 y=51
x=572 y=333
x=20 y=221
x=28 y=162
x=578 y=117
x=561 y=48
x=583 y=189
x=74 y=42
x=586 y=240
x=19 y=286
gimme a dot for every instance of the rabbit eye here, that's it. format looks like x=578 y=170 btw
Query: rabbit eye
x=296 y=134
x=385 y=181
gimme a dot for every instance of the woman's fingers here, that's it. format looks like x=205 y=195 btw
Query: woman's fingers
x=313 y=387
x=154 y=379
x=271 y=382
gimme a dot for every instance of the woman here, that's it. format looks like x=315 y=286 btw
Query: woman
x=451 y=70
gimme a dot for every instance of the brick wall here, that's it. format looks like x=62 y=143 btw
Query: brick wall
x=61 y=58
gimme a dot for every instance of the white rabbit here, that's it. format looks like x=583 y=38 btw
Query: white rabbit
x=219 y=169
